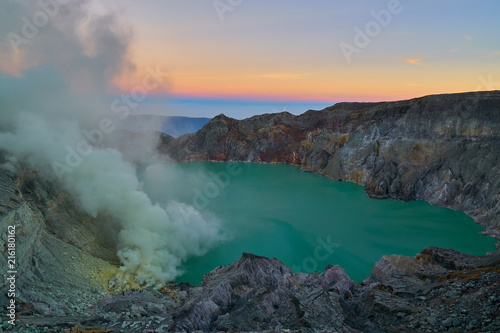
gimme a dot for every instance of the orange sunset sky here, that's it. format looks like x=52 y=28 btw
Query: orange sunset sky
x=291 y=49
x=270 y=56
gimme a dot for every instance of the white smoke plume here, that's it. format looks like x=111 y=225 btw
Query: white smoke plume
x=54 y=79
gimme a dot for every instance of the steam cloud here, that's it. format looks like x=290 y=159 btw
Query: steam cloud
x=53 y=88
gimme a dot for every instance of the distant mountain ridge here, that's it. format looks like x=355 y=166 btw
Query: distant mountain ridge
x=172 y=125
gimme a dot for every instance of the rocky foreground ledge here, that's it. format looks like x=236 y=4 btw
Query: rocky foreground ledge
x=436 y=291
x=65 y=268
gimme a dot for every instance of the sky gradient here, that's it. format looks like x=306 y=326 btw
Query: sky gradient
x=288 y=53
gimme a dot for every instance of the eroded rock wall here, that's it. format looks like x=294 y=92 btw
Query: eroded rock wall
x=60 y=257
x=444 y=149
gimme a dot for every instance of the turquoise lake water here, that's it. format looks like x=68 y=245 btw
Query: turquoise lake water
x=306 y=220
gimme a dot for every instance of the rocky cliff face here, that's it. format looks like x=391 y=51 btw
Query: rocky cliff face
x=444 y=149
x=62 y=256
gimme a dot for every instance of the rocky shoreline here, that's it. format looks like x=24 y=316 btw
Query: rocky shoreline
x=443 y=149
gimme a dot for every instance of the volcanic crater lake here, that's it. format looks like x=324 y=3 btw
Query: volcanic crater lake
x=307 y=220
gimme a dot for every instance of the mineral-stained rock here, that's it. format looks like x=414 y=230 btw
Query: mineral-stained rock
x=257 y=294
x=443 y=148
x=59 y=256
